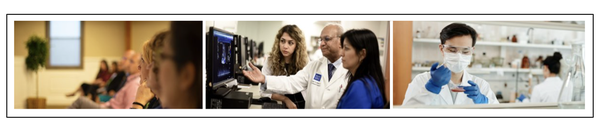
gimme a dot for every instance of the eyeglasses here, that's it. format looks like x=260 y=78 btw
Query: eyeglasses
x=455 y=49
x=327 y=39
x=158 y=57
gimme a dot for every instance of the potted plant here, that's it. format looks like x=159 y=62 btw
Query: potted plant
x=36 y=59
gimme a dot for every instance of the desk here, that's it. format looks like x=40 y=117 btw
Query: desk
x=255 y=89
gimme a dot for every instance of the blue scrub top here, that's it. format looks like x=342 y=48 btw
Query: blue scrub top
x=359 y=96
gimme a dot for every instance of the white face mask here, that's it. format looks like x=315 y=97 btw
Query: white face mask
x=456 y=62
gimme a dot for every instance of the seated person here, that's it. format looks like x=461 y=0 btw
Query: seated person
x=116 y=79
x=87 y=89
x=145 y=97
x=124 y=98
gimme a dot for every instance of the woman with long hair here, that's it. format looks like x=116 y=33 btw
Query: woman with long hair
x=288 y=56
x=92 y=88
x=361 y=58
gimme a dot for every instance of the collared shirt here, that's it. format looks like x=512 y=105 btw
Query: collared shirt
x=125 y=97
x=336 y=64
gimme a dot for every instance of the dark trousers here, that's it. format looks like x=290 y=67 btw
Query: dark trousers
x=90 y=89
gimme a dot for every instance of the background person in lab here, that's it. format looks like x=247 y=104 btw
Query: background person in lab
x=365 y=85
x=549 y=90
x=431 y=88
x=288 y=56
x=324 y=80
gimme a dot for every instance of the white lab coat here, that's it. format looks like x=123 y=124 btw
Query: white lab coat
x=320 y=93
x=549 y=90
x=317 y=55
x=416 y=94
x=266 y=70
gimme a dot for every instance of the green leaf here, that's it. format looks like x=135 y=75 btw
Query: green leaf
x=38 y=52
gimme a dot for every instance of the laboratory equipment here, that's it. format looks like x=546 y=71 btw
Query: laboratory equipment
x=458 y=89
x=497 y=62
x=525 y=62
x=484 y=60
x=574 y=85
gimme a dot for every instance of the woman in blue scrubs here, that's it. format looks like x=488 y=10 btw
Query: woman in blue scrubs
x=361 y=57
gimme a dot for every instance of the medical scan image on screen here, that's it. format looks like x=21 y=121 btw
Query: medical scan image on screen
x=224 y=65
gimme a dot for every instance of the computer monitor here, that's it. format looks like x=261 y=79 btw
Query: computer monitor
x=220 y=55
x=242 y=49
x=251 y=49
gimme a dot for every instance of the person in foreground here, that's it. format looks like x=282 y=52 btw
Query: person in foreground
x=449 y=83
x=361 y=57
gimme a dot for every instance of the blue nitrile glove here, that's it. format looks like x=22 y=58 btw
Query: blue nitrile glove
x=439 y=78
x=474 y=93
x=521 y=97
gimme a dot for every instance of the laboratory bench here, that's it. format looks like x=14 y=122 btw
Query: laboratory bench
x=566 y=105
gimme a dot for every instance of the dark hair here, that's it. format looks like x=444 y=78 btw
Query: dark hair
x=103 y=62
x=370 y=66
x=553 y=62
x=116 y=64
x=186 y=43
x=458 y=29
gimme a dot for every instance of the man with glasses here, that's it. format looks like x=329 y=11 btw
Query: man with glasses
x=449 y=83
x=323 y=80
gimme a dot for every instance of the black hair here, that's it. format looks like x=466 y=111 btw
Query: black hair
x=116 y=64
x=370 y=66
x=553 y=62
x=458 y=29
x=186 y=44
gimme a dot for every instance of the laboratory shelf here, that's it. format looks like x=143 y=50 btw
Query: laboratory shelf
x=488 y=70
x=534 y=24
x=492 y=43
x=530 y=24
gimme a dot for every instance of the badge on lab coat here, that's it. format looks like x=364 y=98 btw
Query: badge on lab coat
x=317 y=79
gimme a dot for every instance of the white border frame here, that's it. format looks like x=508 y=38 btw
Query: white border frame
x=301 y=113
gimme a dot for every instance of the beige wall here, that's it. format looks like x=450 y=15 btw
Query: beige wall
x=53 y=83
x=100 y=38
x=104 y=38
x=141 y=31
x=24 y=30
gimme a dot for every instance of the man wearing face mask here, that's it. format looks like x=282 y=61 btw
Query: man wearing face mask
x=449 y=83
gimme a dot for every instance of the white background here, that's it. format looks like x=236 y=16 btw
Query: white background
x=372 y=6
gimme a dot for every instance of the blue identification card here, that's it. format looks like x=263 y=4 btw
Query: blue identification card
x=317 y=77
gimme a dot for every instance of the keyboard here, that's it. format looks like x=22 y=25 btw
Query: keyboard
x=272 y=105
